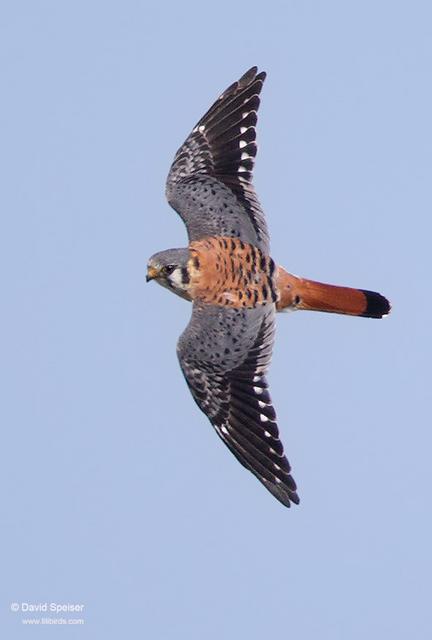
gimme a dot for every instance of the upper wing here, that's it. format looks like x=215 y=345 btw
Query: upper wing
x=210 y=180
x=224 y=354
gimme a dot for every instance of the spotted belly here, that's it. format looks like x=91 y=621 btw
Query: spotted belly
x=228 y=272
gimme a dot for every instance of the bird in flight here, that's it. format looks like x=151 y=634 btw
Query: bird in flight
x=236 y=288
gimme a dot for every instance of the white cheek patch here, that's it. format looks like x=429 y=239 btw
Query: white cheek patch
x=177 y=279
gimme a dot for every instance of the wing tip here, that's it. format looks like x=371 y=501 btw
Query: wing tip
x=281 y=492
x=251 y=75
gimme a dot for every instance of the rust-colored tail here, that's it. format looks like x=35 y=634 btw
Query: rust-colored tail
x=299 y=293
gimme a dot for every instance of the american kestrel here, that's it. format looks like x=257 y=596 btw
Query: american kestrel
x=235 y=286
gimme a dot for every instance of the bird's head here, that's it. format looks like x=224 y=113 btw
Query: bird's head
x=170 y=269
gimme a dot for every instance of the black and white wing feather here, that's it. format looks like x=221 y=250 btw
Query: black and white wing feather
x=210 y=180
x=224 y=354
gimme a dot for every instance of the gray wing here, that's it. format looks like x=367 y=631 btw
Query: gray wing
x=224 y=354
x=210 y=180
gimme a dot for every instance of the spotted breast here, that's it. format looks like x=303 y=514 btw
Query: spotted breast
x=227 y=272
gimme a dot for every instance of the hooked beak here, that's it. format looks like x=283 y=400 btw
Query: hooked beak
x=152 y=273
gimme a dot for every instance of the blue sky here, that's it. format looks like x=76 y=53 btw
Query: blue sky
x=116 y=493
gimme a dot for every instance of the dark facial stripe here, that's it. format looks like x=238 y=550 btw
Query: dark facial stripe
x=185 y=275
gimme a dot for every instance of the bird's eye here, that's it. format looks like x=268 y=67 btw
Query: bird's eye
x=169 y=269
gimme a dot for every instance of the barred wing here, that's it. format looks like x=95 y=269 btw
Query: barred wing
x=210 y=180
x=224 y=354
